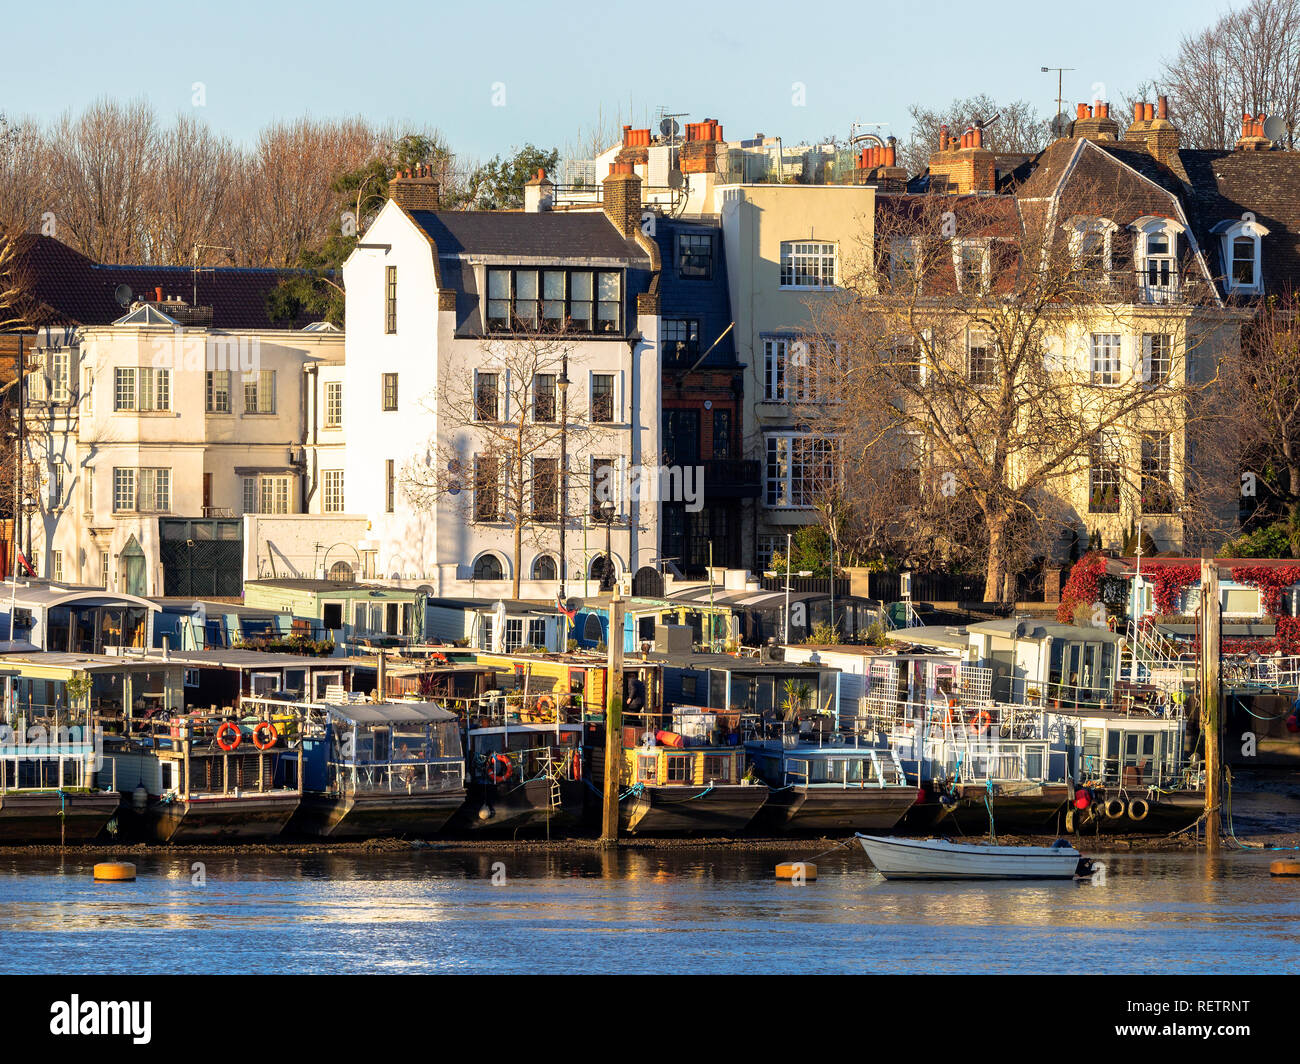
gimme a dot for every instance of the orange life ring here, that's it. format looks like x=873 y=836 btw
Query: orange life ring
x=223 y=730
x=499 y=768
x=981 y=720
x=545 y=704
x=261 y=730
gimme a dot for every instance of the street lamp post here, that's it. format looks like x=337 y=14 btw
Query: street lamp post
x=563 y=385
x=607 y=575
x=29 y=507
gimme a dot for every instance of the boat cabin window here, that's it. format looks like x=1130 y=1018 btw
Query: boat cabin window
x=690 y=682
x=1092 y=763
x=677 y=768
x=1055 y=663
x=332 y=616
x=266 y=684
x=646 y=768
x=380 y=747
x=717 y=768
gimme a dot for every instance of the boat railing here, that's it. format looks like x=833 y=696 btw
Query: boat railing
x=398 y=777
x=1262 y=673
x=1164 y=773
x=866 y=770
x=951 y=719
x=1001 y=760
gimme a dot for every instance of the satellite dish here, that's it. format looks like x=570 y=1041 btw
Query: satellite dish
x=675 y=179
x=1275 y=128
x=669 y=128
x=1060 y=125
x=122 y=293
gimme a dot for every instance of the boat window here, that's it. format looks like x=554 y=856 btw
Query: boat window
x=1106 y=679
x=859 y=771
x=1033 y=762
x=646 y=768
x=717 y=768
x=678 y=768
x=1092 y=765
x=821 y=770
x=797 y=767
x=1072 y=680
x=1056 y=662
x=1089 y=673
x=381 y=743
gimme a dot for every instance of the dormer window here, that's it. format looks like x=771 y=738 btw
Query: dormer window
x=1155 y=246
x=1090 y=246
x=1242 y=240
x=971 y=260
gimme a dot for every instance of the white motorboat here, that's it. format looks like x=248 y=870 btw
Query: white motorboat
x=938 y=859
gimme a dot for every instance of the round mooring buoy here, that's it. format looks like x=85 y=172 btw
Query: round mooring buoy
x=804 y=870
x=115 y=872
x=1284 y=868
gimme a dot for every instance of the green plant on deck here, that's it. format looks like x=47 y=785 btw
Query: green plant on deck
x=824 y=634
x=78 y=688
x=797 y=694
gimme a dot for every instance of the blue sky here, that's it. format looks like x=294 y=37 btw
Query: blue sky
x=560 y=65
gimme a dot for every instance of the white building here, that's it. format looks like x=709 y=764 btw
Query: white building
x=442 y=309
x=148 y=440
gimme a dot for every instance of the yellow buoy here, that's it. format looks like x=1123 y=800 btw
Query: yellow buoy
x=114 y=872
x=1284 y=868
x=797 y=870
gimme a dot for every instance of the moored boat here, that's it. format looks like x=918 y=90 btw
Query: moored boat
x=377 y=769
x=822 y=788
x=897 y=858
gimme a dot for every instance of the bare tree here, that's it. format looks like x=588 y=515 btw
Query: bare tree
x=1248 y=61
x=499 y=433
x=956 y=374
x=188 y=193
x=1018 y=128
x=99 y=168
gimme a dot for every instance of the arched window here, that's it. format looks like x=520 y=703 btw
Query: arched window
x=1241 y=247
x=488 y=567
x=597 y=572
x=342 y=573
x=1155 y=247
x=544 y=568
x=592 y=631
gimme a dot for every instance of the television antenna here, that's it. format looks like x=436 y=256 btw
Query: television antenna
x=1060 y=76
x=858 y=135
x=196 y=269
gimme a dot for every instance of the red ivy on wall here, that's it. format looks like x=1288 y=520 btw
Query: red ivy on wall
x=1083 y=585
x=1169 y=581
x=1272 y=580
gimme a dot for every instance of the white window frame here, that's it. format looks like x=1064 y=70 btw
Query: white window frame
x=142 y=489
x=332 y=491
x=790 y=492
x=1080 y=229
x=1147 y=229
x=214 y=392
x=1150 y=377
x=1228 y=232
x=987 y=342
x=263 y=391
x=500 y=375
x=1105 y=361
x=333 y=404
x=984 y=248
x=801 y=258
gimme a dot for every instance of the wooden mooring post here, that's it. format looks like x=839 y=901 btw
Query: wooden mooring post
x=1211 y=702
x=613 y=723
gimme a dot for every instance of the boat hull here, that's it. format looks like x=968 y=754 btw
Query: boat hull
x=511 y=807
x=1167 y=812
x=896 y=858
x=367 y=816
x=721 y=809
x=35 y=816
x=819 y=810
x=222 y=818
x=1018 y=809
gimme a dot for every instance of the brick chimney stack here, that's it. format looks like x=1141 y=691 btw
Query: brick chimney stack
x=415 y=189
x=1162 y=135
x=1252 y=134
x=699 y=155
x=1094 y=123
x=963 y=164
x=622 y=198
x=539 y=193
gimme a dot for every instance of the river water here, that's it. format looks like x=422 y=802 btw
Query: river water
x=715 y=909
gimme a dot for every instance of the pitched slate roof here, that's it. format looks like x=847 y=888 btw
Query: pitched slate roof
x=558 y=235
x=1227 y=184
x=64 y=287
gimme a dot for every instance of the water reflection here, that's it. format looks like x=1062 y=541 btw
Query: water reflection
x=717 y=909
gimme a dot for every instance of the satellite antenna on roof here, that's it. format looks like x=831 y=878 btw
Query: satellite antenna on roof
x=122 y=293
x=858 y=136
x=1060 y=125
x=1275 y=128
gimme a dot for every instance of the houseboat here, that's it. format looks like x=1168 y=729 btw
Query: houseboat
x=374 y=769
x=689 y=778
x=1024 y=721
x=49 y=745
x=830 y=786
x=527 y=741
